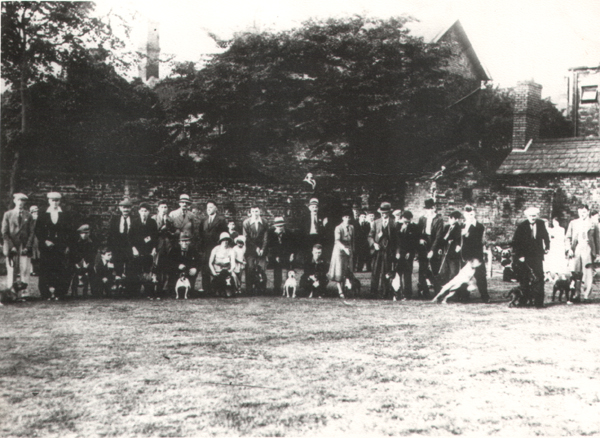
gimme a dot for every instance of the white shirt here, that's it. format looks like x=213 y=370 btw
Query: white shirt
x=122 y=225
x=54 y=214
x=313 y=223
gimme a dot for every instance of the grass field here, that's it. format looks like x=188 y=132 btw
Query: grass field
x=266 y=366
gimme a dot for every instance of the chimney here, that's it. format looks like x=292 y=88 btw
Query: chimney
x=152 y=51
x=526 y=122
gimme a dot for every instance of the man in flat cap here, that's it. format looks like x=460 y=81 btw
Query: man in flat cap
x=472 y=245
x=83 y=256
x=183 y=219
x=55 y=235
x=312 y=230
x=120 y=243
x=18 y=233
x=255 y=231
x=166 y=233
x=383 y=243
x=144 y=240
x=280 y=244
x=210 y=231
x=431 y=228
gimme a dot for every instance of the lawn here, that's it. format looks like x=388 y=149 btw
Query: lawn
x=268 y=366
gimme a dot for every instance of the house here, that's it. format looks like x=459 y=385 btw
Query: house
x=570 y=167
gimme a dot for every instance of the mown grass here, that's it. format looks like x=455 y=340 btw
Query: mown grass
x=266 y=366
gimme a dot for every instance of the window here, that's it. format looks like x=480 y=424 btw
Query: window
x=589 y=94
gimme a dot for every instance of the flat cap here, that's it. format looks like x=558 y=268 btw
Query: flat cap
x=54 y=195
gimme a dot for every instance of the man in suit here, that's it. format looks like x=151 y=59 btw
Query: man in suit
x=314 y=278
x=83 y=256
x=120 y=243
x=451 y=259
x=18 y=234
x=211 y=228
x=55 y=237
x=281 y=251
x=382 y=241
x=183 y=219
x=164 y=242
x=144 y=239
x=584 y=247
x=530 y=242
x=408 y=245
x=471 y=247
x=255 y=231
x=361 y=241
x=312 y=229
x=431 y=229
x=183 y=260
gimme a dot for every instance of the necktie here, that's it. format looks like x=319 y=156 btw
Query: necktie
x=533 y=230
x=183 y=253
x=20 y=218
x=125 y=230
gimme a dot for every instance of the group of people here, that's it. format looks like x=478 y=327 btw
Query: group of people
x=150 y=255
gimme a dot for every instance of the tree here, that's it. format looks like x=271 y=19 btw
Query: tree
x=37 y=40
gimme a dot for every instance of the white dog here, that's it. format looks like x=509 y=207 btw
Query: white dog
x=289 y=288
x=183 y=286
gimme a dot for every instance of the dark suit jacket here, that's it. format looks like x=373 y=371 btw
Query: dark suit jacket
x=281 y=246
x=523 y=243
x=166 y=232
x=305 y=225
x=120 y=243
x=256 y=236
x=451 y=239
x=61 y=233
x=83 y=249
x=435 y=240
x=141 y=232
x=210 y=233
x=14 y=235
x=472 y=243
x=176 y=258
x=386 y=237
x=103 y=271
x=408 y=240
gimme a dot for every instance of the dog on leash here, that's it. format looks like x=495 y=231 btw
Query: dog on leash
x=290 y=285
x=182 y=287
x=351 y=286
x=526 y=278
x=258 y=284
x=562 y=286
x=515 y=296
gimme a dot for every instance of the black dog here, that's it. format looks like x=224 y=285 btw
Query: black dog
x=562 y=285
x=515 y=295
x=351 y=286
x=258 y=283
x=224 y=284
x=526 y=278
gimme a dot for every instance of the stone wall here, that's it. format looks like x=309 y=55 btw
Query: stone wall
x=93 y=199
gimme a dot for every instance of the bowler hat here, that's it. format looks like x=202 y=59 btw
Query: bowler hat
x=224 y=236
x=429 y=204
x=385 y=207
x=125 y=203
x=185 y=198
x=278 y=221
x=20 y=196
x=54 y=195
x=85 y=228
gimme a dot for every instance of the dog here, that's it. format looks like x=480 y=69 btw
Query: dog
x=465 y=277
x=562 y=285
x=506 y=261
x=351 y=286
x=515 y=295
x=290 y=285
x=575 y=277
x=259 y=281
x=393 y=280
x=182 y=286
x=224 y=284
x=526 y=278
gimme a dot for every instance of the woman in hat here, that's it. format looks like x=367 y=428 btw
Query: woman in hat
x=222 y=258
x=342 y=256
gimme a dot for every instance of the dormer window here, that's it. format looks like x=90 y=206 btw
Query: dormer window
x=589 y=94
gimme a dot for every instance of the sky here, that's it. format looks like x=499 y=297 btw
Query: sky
x=515 y=39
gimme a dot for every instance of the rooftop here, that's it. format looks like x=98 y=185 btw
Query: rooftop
x=555 y=156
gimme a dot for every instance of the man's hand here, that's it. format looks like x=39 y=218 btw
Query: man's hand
x=105 y=280
x=325 y=221
x=259 y=252
x=522 y=259
x=407 y=256
x=181 y=267
x=135 y=252
x=422 y=242
x=13 y=250
x=193 y=272
x=49 y=244
x=397 y=256
x=25 y=251
x=376 y=246
x=430 y=254
x=458 y=248
x=153 y=253
x=570 y=253
x=291 y=258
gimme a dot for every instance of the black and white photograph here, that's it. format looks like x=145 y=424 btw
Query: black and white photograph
x=311 y=218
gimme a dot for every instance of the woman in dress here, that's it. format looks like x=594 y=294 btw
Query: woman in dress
x=341 y=257
x=555 y=262
x=222 y=259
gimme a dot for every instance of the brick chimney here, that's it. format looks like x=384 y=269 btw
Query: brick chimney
x=526 y=121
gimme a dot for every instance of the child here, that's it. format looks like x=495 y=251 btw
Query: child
x=82 y=261
x=239 y=251
x=465 y=277
x=104 y=282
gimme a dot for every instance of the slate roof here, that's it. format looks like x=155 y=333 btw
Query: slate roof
x=556 y=156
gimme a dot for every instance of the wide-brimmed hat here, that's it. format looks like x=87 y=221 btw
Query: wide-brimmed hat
x=54 y=195
x=385 y=207
x=85 y=228
x=185 y=236
x=185 y=198
x=429 y=204
x=278 y=221
x=224 y=236
x=125 y=203
x=20 y=196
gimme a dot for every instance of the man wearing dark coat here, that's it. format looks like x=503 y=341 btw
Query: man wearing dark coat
x=431 y=228
x=183 y=260
x=313 y=229
x=120 y=243
x=382 y=240
x=471 y=247
x=362 y=256
x=255 y=231
x=83 y=256
x=408 y=245
x=211 y=228
x=451 y=259
x=144 y=239
x=530 y=243
x=280 y=243
x=166 y=234
x=55 y=235
x=314 y=278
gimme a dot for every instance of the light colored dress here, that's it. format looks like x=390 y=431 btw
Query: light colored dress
x=556 y=261
x=341 y=263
